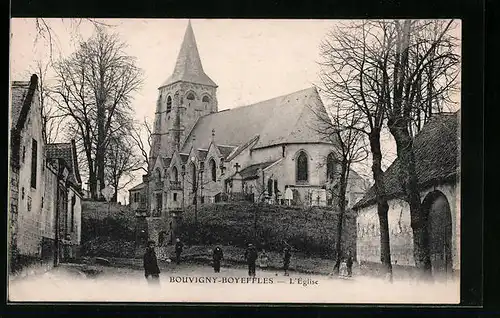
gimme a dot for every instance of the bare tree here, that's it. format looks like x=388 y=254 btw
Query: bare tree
x=141 y=137
x=44 y=30
x=121 y=162
x=420 y=70
x=94 y=88
x=337 y=127
x=350 y=77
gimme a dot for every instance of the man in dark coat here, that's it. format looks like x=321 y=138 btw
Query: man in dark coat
x=178 y=250
x=151 y=264
x=251 y=257
x=218 y=255
x=286 y=259
x=349 y=263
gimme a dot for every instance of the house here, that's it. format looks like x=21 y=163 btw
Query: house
x=437 y=155
x=201 y=155
x=70 y=217
x=36 y=185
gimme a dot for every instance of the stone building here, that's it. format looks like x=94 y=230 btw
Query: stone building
x=437 y=154
x=201 y=155
x=35 y=179
x=70 y=216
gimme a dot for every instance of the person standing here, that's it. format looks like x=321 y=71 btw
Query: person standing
x=286 y=259
x=251 y=258
x=349 y=263
x=217 y=257
x=178 y=250
x=263 y=260
x=151 y=264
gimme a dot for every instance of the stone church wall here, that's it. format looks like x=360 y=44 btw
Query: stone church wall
x=401 y=235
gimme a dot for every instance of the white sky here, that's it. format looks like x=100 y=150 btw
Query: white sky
x=250 y=60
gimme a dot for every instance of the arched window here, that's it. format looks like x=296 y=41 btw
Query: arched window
x=158 y=174
x=330 y=167
x=205 y=101
x=302 y=167
x=193 y=177
x=175 y=174
x=213 y=170
x=169 y=104
x=190 y=96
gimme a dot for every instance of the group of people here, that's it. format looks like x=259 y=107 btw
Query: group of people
x=152 y=271
x=251 y=257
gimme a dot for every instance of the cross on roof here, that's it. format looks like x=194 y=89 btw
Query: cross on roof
x=237 y=166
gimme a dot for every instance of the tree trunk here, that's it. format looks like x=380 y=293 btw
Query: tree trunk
x=409 y=181
x=382 y=206
x=341 y=204
x=100 y=154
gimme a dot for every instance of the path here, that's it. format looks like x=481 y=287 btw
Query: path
x=231 y=285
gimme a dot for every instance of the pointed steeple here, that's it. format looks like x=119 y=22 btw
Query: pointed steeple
x=188 y=67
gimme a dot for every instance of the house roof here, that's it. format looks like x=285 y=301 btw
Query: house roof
x=252 y=171
x=286 y=119
x=188 y=67
x=437 y=157
x=138 y=187
x=18 y=92
x=67 y=152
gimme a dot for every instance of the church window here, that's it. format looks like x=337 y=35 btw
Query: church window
x=213 y=169
x=302 y=167
x=159 y=203
x=276 y=187
x=330 y=167
x=175 y=174
x=169 y=104
x=73 y=202
x=270 y=186
x=205 y=101
x=193 y=177
x=190 y=96
x=158 y=175
x=175 y=196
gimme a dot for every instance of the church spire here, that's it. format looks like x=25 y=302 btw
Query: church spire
x=188 y=67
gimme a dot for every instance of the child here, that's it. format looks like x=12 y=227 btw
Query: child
x=263 y=260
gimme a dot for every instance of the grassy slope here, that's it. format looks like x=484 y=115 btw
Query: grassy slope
x=310 y=231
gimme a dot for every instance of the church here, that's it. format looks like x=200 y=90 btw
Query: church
x=265 y=152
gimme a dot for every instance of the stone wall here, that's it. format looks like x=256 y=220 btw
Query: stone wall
x=401 y=235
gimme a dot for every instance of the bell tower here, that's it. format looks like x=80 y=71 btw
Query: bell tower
x=184 y=97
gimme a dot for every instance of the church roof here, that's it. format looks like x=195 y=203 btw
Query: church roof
x=285 y=119
x=253 y=170
x=188 y=67
x=138 y=187
x=437 y=157
x=225 y=150
x=166 y=161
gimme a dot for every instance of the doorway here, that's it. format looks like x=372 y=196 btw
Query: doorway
x=439 y=225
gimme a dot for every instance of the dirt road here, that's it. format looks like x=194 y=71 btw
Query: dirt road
x=197 y=283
